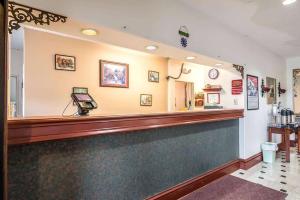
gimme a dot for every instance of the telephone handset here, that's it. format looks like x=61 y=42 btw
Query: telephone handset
x=83 y=100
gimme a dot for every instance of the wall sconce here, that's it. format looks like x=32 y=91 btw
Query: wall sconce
x=264 y=89
x=182 y=71
x=280 y=90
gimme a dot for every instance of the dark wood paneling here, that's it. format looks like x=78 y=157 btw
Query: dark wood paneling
x=246 y=164
x=22 y=131
x=3 y=98
x=189 y=186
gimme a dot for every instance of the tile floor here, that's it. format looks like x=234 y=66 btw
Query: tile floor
x=280 y=175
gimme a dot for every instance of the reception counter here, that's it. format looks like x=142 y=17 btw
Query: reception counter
x=121 y=157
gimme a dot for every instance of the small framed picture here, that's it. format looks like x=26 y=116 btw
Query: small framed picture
x=113 y=74
x=272 y=95
x=153 y=76
x=213 y=98
x=66 y=63
x=146 y=100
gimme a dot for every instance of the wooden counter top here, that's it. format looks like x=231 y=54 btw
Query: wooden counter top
x=30 y=130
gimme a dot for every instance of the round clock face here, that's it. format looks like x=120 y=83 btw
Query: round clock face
x=213 y=73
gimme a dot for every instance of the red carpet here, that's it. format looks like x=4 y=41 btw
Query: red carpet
x=233 y=188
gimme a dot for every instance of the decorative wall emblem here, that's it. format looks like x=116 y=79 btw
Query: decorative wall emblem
x=240 y=69
x=18 y=13
x=184 y=35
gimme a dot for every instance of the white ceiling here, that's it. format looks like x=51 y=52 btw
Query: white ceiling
x=268 y=22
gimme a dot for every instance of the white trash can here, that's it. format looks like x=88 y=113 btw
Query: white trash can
x=269 y=151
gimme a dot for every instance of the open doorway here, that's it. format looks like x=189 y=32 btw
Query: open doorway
x=16 y=73
x=184 y=95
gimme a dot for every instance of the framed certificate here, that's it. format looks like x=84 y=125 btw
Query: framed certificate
x=213 y=98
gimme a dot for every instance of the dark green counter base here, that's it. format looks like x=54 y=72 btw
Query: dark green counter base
x=120 y=166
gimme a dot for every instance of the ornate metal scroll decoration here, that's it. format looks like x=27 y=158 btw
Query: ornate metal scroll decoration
x=182 y=71
x=18 y=13
x=240 y=69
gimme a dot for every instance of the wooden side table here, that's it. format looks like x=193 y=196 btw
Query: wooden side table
x=285 y=135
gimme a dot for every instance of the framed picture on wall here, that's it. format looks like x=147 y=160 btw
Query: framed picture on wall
x=66 y=63
x=113 y=74
x=153 y=76
x=213 y=98
x=145 y=100
x=272 y=95
x=252 y=93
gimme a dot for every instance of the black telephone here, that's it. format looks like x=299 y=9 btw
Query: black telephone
x=83 y=100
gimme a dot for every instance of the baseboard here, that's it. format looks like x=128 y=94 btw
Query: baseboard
x=246 y=164
x=193 y=184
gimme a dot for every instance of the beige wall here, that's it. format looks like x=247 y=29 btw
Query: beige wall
x=47 y=91
x=199 y=76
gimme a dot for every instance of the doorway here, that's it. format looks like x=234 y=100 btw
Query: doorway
x=184 y=95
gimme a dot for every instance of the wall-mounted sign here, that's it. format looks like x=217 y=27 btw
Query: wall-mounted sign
x=184 y=35
x=237 y=87
x=252 y=93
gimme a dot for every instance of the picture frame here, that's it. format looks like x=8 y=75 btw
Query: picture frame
x=153 y=76
x=252 y=93
x=272 y=94
x=114 y=74
x=65 y=62
x=146 y=100
x=213 y=98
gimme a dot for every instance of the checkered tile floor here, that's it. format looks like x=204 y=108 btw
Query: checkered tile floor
x=281 y=176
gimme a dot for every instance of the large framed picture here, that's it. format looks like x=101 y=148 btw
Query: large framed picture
x=252 y=93
x=113 y=74
x=272 y=95
x=146 y=100
x=66 y=63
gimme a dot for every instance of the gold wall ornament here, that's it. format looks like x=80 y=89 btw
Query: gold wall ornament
x=240 y=69
x=19 y=13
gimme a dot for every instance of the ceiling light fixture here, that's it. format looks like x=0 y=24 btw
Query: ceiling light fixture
x=190 y=58
x=151 y=47
x=89 y=31
x=288 y=2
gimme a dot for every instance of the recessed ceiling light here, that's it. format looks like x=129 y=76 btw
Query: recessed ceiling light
x=288 y=2
x=89 y=32
x=219 y=65
x=190 y=58
x=151 y=47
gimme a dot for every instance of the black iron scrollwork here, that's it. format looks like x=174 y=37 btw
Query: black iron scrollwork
x=240 y=69
x=19 y=13
x=182 y=71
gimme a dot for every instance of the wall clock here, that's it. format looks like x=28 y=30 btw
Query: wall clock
x=213 y=73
